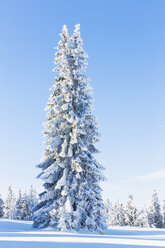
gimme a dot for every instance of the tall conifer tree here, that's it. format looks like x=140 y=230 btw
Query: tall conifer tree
x=9 y=205
x=130 y=213
x=1 y=207
x=72 y=197
x=155 y=217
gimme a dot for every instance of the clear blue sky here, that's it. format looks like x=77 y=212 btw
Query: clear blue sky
x=125 y=41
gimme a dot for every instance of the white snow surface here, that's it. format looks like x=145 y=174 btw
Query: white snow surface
x=19 y=234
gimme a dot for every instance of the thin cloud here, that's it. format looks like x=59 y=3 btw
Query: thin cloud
x=154 y=175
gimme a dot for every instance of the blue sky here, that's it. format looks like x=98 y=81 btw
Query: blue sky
x=125 y=42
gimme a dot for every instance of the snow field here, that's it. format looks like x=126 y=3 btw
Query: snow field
x=19 y=234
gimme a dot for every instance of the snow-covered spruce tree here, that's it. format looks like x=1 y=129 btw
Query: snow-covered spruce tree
x=121 y=215
x=1 y=207
x=108 y=212
x=163 y=213
x=9 y=206
x=130 y=212
x=155 y=216
x=115 y=214
x=141 y=218
x=31 y=200
x=24 y=204
x=72 y=197
x=19 y=207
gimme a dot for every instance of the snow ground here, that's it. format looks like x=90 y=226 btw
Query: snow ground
x=19 y=234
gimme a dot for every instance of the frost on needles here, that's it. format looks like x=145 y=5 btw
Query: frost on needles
x=72 y=197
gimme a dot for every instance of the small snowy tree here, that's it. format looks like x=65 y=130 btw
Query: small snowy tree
x=25 y=203
x=108 y=211
x=31 y=200
x=25 y=206
x=163 y=214
x=1 y=207
x=130 y=212
x=122 y=215
x=115 y=214
x=9 y=206
x=19 y=207
x=72 y=197
x=155 y=216
x=141 y=218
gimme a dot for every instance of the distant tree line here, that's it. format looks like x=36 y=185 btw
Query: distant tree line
x=119 y=214
x=20 y=207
